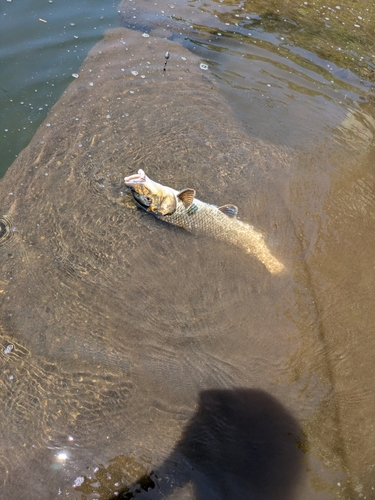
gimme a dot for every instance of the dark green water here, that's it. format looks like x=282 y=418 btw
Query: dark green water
x=37 y=60
x=44 y=42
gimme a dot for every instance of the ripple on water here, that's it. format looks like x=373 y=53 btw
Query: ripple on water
x=6 y=230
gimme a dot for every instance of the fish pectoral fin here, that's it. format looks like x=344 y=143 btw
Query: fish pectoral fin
x=229 y=210
x=186 y=196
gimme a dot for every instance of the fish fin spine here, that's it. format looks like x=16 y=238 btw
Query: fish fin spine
x=186 y=196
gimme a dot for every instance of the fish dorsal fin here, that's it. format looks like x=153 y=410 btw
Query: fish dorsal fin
x=229 y=210
x=186 y=196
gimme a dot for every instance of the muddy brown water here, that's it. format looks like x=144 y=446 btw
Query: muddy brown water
x=141 y=361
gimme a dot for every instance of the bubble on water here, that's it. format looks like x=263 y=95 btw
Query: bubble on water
x=75 y=36
x=78 y=481
x=145 y=35
x=75 y=75
x=203 y=66
x=9 y=348
x=134 y=73
x=72 y=24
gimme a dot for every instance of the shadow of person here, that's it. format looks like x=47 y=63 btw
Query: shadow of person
x=240 y=444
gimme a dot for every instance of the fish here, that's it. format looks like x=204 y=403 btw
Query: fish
x=183 y=209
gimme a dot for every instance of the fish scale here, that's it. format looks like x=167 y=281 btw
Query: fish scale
x=205 y=219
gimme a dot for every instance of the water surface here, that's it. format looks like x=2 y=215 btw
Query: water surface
x=139 y=360
x=43 y=43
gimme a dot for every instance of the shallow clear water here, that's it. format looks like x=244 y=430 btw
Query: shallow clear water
x=42 y=44
x=139 y=360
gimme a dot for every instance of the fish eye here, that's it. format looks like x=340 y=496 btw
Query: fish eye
x=147 y=200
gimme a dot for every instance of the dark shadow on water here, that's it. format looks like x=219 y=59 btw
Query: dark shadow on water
x=240 y=444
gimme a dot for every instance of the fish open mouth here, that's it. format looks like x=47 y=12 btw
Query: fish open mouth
x=150 y=195
x=138 y=178
x=132 y=181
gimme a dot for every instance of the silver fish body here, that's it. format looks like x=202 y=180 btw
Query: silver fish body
x=182 y=209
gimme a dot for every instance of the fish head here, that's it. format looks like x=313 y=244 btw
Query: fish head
x=150 y=195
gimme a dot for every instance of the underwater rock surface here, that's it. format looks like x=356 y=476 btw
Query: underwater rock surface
x=121 y=325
